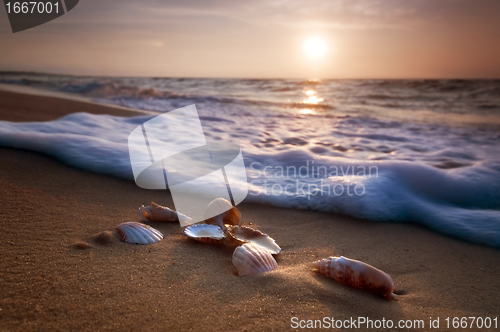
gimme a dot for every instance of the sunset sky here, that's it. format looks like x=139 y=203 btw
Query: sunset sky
x=263 y=39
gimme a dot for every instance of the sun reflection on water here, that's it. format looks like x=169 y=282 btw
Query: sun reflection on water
x=306 y=111
x=312 y=97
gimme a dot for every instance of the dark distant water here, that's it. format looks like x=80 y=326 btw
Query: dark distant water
x=432 y=145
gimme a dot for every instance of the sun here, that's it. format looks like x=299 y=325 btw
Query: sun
x=315 y=48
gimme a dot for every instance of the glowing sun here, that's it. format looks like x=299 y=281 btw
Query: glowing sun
x=315 y=47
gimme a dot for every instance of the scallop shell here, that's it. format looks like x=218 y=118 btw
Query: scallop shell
x=205 y=233
x=255 y=237
x=220 y=211
x=135 y=232
x=358 y=275
x=250 y=259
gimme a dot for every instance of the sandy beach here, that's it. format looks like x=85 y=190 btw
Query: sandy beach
x=54 y=274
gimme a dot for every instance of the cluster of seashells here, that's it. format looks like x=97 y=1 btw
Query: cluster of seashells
x=254 y=250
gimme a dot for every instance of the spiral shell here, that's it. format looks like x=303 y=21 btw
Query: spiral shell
x=249 y=259
x=358 y=275
x=220 y=211
x=205 y=233
x=156 y=212
x=135 y=232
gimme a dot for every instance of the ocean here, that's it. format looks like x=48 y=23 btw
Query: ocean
x=419 y=151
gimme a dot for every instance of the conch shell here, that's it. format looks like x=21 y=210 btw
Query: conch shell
x=220 y=211
x=358 y=275
x=156 y=212
x=249 y=259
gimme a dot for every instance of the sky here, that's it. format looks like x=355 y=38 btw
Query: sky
x=263 y=39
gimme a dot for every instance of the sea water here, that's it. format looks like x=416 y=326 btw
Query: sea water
x=421 y=151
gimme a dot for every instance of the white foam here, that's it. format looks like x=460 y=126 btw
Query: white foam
x=462 y=202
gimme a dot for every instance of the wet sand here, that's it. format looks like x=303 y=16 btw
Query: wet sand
x=54 y=274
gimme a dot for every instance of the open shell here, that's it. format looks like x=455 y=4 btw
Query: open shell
x=135 y=232
x=250 y=259
x=255 y=237
x=205 y=233
x=358 y=275
x=220 y=211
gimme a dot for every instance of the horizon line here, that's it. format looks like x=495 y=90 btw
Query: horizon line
x=247 y=78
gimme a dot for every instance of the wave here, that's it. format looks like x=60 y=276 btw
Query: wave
x=461 y=202
x=469 y=87
x=116 y=90
x=127 y=95
x=382 y=96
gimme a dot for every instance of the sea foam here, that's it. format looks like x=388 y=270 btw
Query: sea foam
x=461 y=202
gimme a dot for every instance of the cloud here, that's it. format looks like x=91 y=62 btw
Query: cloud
x=343 y=14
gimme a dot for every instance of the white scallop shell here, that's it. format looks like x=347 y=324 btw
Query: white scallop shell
x=249 y=259
x=255 y=237
x=220 y=211
x=217 y=206
x=135 y=232
x=358 y=275
x=156 y=212
x=205 y=233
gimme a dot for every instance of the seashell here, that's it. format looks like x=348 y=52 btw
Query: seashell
x=135 y=232
x=358 y=275
x=205 y=233
x=250 y=259
x=156 y=212
x=220 y=211
x=245 y=234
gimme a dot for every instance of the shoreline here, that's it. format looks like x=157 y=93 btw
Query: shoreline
x=44 y=105
x=49 y=282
